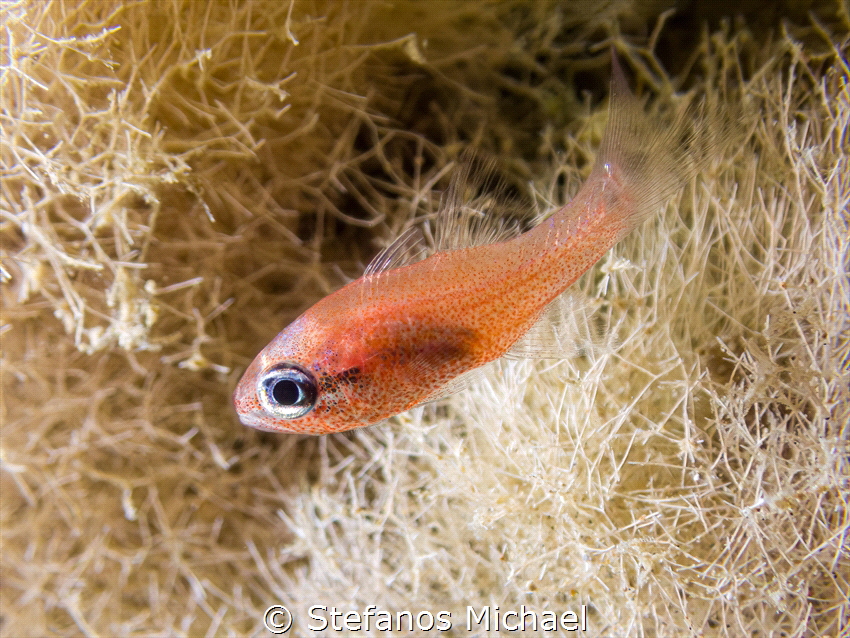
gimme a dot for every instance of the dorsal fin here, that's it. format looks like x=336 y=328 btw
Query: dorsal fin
x=407 y=248
x=476 y=209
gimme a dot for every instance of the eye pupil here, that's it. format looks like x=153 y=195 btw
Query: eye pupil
x=286 y=392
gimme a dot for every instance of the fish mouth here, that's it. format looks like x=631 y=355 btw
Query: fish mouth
x=257 y=422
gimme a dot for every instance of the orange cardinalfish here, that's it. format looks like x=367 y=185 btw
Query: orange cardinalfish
x=401 y=335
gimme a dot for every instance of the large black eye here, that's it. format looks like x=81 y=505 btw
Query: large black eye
x=287 y=390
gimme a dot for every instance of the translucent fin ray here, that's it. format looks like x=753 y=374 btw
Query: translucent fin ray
x=563 y=330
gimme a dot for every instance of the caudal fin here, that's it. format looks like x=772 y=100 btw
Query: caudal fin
x=650 y=160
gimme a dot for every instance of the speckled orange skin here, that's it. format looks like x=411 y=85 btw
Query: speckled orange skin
x=387 y=342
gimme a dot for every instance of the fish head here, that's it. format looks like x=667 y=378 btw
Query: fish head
x=342 y=365
x=304 y=381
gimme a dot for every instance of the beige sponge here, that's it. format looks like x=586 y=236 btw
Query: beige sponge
x=180 y=179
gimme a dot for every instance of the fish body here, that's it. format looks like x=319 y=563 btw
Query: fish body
x=398 y=337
